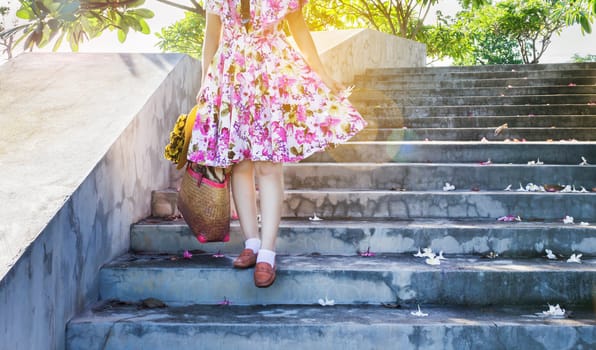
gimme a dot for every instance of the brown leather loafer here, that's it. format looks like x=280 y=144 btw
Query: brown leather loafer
x=246 y=259
x=264 y=275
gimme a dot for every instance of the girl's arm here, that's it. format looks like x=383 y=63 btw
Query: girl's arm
x=307 y=47
x=211 y=42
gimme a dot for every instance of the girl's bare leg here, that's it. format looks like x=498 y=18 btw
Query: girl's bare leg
x=271 y=189
x=245 y=199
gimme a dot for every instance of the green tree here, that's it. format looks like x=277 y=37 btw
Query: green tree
x=511 y=31
x=184 y=36
x=471 y=39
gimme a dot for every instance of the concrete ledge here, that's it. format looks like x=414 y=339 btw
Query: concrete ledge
x=347 y=53
x=314 y=327
x=81 y=149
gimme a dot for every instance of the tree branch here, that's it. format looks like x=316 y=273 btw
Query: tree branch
x=197 y=9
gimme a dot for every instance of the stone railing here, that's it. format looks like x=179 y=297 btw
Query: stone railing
x=81 y=148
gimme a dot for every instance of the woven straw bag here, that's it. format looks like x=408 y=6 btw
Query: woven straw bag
x=204 y=202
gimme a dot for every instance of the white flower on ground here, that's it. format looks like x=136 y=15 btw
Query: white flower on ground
x=584 y=223
x=419 y=254
x=554 y=311
x=568 y=219
x=326 y=302
x=575 y=258
x=428 y=252
x=509 y=218
x=566 y=189
x=508 y=188
x=532 y=162
x=538 y=162
x=441 y=257
x=583 y=190
x=521 y=188
x=448 y=187
x=315 y=218
x=418 y=313
x=433 y=261
x=550 y=255
x=584 y=161
x=484 y=140
x=532 y=188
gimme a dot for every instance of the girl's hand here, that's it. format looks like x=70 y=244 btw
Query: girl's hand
x=335 y=86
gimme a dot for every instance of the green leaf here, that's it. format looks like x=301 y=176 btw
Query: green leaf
x=144 y=26
x=58 y=42
x=145 y=13
x=25 y=13
x=585 y=23
x=121 y=36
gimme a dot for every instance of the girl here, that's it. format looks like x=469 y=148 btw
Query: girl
x=261 y=104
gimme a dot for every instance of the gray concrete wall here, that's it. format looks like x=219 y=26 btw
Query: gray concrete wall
x=347 y=53
x=81 y=144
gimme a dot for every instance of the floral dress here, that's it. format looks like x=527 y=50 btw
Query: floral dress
x=260 y=100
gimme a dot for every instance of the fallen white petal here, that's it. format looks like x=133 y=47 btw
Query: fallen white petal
x=583 y=190
x=575 y=258
x=568 y=219
x=584 y=161
x=448 y=187
x=521 y=188
x=550 y=255
x=566 y=189
x=428 y=253
x=418 y=313
x=419 y=254
x=508 y=188
x=315 y=218
x=584 y=223
x=554 y=311
x=433 y=261
x=326 y=302
x=441 y=257
x=538 y=162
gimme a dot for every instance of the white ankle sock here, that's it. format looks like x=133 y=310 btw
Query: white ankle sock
x=254 y=244
x=267 y=256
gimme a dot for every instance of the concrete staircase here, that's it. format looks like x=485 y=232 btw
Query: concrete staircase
x=383 y=193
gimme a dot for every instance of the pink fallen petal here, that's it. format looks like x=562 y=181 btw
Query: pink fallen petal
x=225 y=302
x=218 y=255
x=488 y=162
x=591 y=103
x=187 y=255
x=507 y=218
x=367 y=253
x=531 y=115
x=572 y=84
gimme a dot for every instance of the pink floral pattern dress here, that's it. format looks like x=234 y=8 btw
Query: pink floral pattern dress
x=260 y=100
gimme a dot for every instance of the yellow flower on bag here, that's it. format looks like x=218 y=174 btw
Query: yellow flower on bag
x=177 y=149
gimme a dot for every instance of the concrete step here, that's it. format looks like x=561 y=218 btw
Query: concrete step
x=406 y=101
x=478 y=75
x=438 y=204
x=476 y=134
x=385 y=120
x=551 y=153
x=486 y=110
x=465 y=280
x=546 y=121
x=392 y=94
x=372 y=83
x=485 y=68
x=421 y=177
x=124 y=327
x=348 y=237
